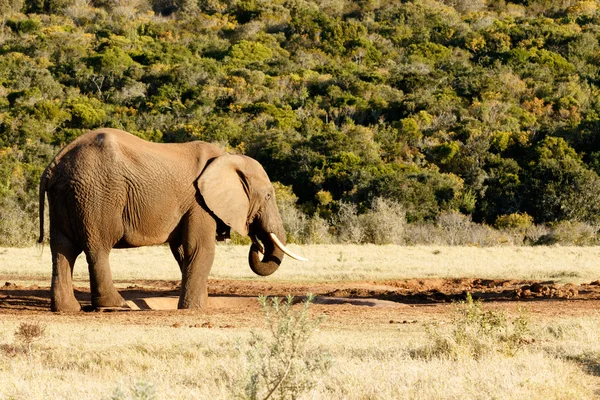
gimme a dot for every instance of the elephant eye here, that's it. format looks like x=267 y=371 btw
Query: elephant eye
x=268 y=196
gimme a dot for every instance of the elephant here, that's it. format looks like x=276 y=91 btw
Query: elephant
x=110 y=189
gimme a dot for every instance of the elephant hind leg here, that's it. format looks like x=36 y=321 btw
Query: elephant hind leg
x=104 y=293
x=64 y=254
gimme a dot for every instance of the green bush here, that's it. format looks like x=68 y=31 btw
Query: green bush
x=283 y=365
x=560 y=187
x=22 y=26
x=519 y=221
x=247 y=52
x=87 y=113
x=476 y=333
x=570 y=233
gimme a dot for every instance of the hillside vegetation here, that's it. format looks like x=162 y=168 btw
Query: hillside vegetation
x=365 y=111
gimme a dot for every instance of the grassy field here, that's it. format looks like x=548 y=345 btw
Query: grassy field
x=188 y=355
x=92 y=359
x=337 y=263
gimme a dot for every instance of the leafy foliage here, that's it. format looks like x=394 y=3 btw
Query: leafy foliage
x=485 y=108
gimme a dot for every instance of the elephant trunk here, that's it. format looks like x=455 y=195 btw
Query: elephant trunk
x=271 y=260
x=273 y=251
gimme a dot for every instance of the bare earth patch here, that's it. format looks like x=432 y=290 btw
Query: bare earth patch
x=232 y=303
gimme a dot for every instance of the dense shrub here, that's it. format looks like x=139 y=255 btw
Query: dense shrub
x=317 y=231
x=452 y=229
x=17 y=226
x=570 y=233
x=517 y=221
x=444 y=108
x=294 y=220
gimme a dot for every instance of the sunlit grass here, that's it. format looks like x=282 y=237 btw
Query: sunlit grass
x=374 y=362
x=336 y=263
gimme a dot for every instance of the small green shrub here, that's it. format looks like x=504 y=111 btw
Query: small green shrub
x=476 y=333
x=519 y=221
x=518 y=228
x=238 y=239
x=284 y=365
x=141 y=390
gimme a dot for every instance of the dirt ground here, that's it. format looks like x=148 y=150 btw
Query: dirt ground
x=233 y=304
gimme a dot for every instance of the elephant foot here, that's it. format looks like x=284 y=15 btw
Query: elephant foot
x=108 y=301
x=63 y=305
x=191 y=304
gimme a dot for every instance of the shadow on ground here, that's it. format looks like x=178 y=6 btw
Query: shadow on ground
x=231 y=293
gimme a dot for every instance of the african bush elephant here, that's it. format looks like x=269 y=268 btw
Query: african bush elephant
x=109 y=189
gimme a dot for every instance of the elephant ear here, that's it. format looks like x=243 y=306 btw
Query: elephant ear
x=225 y=191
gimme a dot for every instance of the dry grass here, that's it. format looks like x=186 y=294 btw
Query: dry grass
x=337 y=262
x=114 y=358
x=108 y=361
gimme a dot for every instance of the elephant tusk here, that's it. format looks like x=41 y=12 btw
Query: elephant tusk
x=284 y=249
x=260 y=247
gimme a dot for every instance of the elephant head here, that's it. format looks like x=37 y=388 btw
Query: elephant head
x=238 y=191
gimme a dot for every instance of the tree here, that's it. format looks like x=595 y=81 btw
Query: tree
x=558 y=186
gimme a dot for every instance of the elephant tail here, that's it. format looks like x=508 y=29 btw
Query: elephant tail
x=42 y=200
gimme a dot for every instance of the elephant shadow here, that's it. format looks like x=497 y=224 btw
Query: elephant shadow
x=17 y=298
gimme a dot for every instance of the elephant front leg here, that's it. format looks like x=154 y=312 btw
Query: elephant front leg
x=198 y=246
x=194 y=282
x=104 y=293
x=63 y=260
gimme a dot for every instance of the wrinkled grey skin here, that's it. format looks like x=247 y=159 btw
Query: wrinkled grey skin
x=109 y=189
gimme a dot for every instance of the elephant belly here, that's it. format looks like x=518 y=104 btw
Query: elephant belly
x=148 y=220
x=140 y=235
x=138 y=240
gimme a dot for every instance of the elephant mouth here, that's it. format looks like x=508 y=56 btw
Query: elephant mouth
x=260 y=248
x=258 y=245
